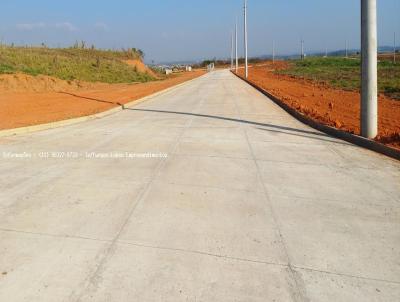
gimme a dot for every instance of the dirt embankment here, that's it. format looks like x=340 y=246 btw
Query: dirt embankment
x=333 y=107
x=27 y=100
x=141 y=67
x=21 y=83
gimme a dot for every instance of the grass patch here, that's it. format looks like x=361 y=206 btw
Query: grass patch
x=345 y=73
x=91 y=65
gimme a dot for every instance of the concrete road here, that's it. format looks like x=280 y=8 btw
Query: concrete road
x=248 y=205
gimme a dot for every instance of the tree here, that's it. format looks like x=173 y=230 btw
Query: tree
x=140 y=53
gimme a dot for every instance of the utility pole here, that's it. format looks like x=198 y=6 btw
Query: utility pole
x=245 y=41
x=369 y=70
x=302 y=49
x=394 y=47
x=326 y=49
x=346 y=51
x=236 y=48
x=232 y=50
x=273 y=51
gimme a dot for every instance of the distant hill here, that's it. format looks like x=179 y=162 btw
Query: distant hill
x=335 y=53
x=387 y=49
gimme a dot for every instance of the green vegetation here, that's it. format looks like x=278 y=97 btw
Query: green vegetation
x=345 y=73
x=222 y=63
x=75 y=63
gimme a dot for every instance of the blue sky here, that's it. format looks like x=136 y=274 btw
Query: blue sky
x=169 y=30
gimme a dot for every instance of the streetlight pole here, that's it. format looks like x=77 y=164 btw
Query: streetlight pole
x=273 y=51
x=236 y=48
x=245 y=41
x=394 y=47
x=369 y=70
x=232 y=50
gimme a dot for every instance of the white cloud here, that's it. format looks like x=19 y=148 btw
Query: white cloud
x=41 y=25
x=31 y=26
x=101 y=26
x=66 y=26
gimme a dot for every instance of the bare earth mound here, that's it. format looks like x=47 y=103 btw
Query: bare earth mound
x=333 y=107
x=141 y=67
x=39 y=100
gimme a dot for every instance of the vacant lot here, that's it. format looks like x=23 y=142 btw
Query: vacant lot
x=90 y=65
x=19 y=109
x=345 y=73
x=323 y=102
x=42 y=85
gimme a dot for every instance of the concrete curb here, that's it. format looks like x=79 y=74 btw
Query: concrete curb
x=73 y=121
x=346 y=136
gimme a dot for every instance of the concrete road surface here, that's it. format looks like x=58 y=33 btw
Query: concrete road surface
x=209 y=192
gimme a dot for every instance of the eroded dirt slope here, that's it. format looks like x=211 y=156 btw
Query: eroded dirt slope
x=21 y=83
x=141 y=67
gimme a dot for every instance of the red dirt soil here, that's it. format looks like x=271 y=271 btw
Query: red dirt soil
x=141 y=67
x=327 y=105
x=24 y=107
x=26 y=83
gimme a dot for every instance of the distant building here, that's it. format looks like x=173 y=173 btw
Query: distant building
x=168 y=71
